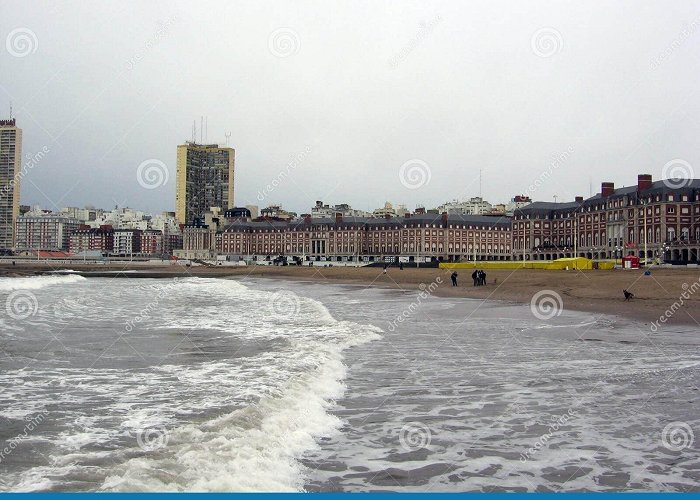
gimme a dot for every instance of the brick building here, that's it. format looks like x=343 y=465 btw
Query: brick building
x=657 y=220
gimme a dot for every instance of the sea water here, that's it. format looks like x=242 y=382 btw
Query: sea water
x=198 y=384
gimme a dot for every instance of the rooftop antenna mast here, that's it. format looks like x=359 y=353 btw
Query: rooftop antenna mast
x=479 y=183
x=10 y=110
x=206 y=129
x=201 y=130
x=194 y=131
x=228 y=136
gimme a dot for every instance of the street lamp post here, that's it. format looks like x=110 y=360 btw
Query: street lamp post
x=644 y=214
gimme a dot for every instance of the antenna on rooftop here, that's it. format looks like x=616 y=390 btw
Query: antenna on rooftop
x=201 y=130
x=206 y=129
x=228 y=136
x=479 y=183
x=10 y=110
x=194 y=130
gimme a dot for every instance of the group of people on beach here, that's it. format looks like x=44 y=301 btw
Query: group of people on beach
x=478 y=276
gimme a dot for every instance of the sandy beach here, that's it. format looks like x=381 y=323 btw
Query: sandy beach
x=591 y=291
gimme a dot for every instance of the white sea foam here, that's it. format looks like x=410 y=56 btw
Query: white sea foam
x=37 y=282
x=237 y=422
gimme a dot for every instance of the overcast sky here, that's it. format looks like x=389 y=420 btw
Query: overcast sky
x=400 y=101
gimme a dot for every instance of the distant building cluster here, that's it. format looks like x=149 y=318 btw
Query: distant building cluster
x=651 y=220
x=91 y=231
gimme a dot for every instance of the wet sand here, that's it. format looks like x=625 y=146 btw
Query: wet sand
x=591 y=291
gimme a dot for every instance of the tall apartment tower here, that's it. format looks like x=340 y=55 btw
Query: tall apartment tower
x=205 y=175
x=10 y=165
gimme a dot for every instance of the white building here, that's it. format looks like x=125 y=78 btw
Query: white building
x=321 y=211
x=517 y=202
x=42 y=231
x=389 y=211
x=472 y=206
x=127 y=242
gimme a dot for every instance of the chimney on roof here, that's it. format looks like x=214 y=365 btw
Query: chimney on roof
x=444 y=218
x=579 y=199
x=338 y=218
x=643 y=182
x=607 y=188
x=307 y=219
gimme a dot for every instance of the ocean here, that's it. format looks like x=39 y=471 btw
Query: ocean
x=205 y=384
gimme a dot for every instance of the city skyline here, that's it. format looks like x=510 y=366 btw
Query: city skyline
x=290 y=104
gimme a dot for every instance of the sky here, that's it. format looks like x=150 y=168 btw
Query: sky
x=357 y=102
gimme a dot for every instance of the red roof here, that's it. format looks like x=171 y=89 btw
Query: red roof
x=53 y=254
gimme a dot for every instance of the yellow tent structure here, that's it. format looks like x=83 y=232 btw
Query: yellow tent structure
x=570 y=263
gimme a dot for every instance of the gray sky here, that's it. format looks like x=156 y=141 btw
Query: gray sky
x=357 y=89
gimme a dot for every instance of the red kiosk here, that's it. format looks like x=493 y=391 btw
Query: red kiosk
x=630 y=262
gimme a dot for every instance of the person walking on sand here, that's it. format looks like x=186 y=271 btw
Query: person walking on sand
x=453 y=277
x=483 y=278
x=475 y=277
x=628 y=295
x=385 y=266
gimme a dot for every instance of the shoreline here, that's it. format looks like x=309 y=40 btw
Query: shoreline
x=598 y=291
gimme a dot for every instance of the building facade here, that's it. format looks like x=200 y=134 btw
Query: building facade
x=205 y=179
x=152 y=242
x=10 y=168
x=657 y=221
x=44 y=232
x=92 y=239
x=413 y=238
x=127 y=242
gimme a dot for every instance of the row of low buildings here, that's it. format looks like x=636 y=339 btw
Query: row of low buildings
x=659 y=220
x=57 y=232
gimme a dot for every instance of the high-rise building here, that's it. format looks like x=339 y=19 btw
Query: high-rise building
x=10 y=165
x=205 y=175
